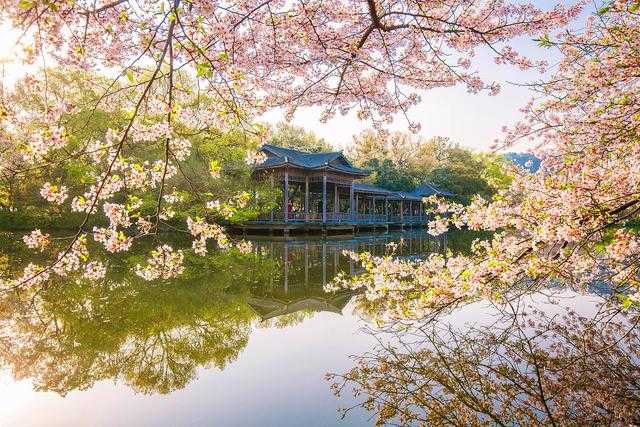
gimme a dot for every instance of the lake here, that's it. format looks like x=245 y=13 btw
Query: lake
x=249 y=341
x=248 y=344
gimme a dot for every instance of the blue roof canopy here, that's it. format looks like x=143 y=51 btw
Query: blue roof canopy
x=427 y=189
x=333 y=161
x=336 y=162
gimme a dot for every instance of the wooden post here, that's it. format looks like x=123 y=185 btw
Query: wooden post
x=286 y=196
x=351 y=202
x=336 y=200
x=357 y=206
x=386 y=207
x=401 y=211
x=306 y=198
x=324 y=198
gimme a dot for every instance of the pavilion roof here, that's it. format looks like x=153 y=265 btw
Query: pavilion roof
x=372 y=189
x=336 y=162
x=428 y=189
x=268 y=308
x=333 y=161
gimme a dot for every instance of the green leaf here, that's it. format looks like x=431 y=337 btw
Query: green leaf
x=204 y=70
x=635 y=6
x=544 y=41
x=130 y=76
x=26 y=4
x=603 y=10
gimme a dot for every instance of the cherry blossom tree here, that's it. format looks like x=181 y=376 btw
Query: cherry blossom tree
x=370 y=57
x=570 y=223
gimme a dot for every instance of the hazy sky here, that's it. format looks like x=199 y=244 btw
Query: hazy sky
x=472 y=120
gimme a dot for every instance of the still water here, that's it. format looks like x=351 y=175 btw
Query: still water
x=248 y=340
x=234 y=343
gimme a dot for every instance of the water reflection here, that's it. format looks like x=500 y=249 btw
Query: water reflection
x=247 y=340
x=565 y=360
x=153 y=336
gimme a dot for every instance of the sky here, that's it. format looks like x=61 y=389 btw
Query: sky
x=472 y=120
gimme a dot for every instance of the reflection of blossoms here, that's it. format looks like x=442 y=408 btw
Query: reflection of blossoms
x=53 y=193
x=36 y=240
x=529 y=369
x=164 y=263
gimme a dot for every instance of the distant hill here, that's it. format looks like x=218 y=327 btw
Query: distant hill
x=521 y=159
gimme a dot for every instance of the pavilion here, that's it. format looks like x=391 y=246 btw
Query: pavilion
x=322 y=191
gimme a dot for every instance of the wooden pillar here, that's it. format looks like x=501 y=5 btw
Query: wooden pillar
x=306 y=198
x=401 y=211
x=286 y=195
x=386 y=207
x=351 y=202
x=324 y=198
x=336 y=200
x=357 y=205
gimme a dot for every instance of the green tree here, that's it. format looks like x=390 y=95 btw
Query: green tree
x=297 y=138
x=215 y=168
x=400 y=161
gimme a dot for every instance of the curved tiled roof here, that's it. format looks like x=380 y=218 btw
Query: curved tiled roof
x=280 y=156
x=372 y=189
x=366 y=188
x=336 y=162
x=427 y=189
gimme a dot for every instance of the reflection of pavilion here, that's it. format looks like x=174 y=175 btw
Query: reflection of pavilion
x=268 y=308
x=307 y=266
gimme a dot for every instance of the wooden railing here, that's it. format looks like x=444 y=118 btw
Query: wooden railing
x=340 y=218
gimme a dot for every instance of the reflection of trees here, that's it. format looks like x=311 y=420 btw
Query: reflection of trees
x=152 y=336
x=531 y=369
